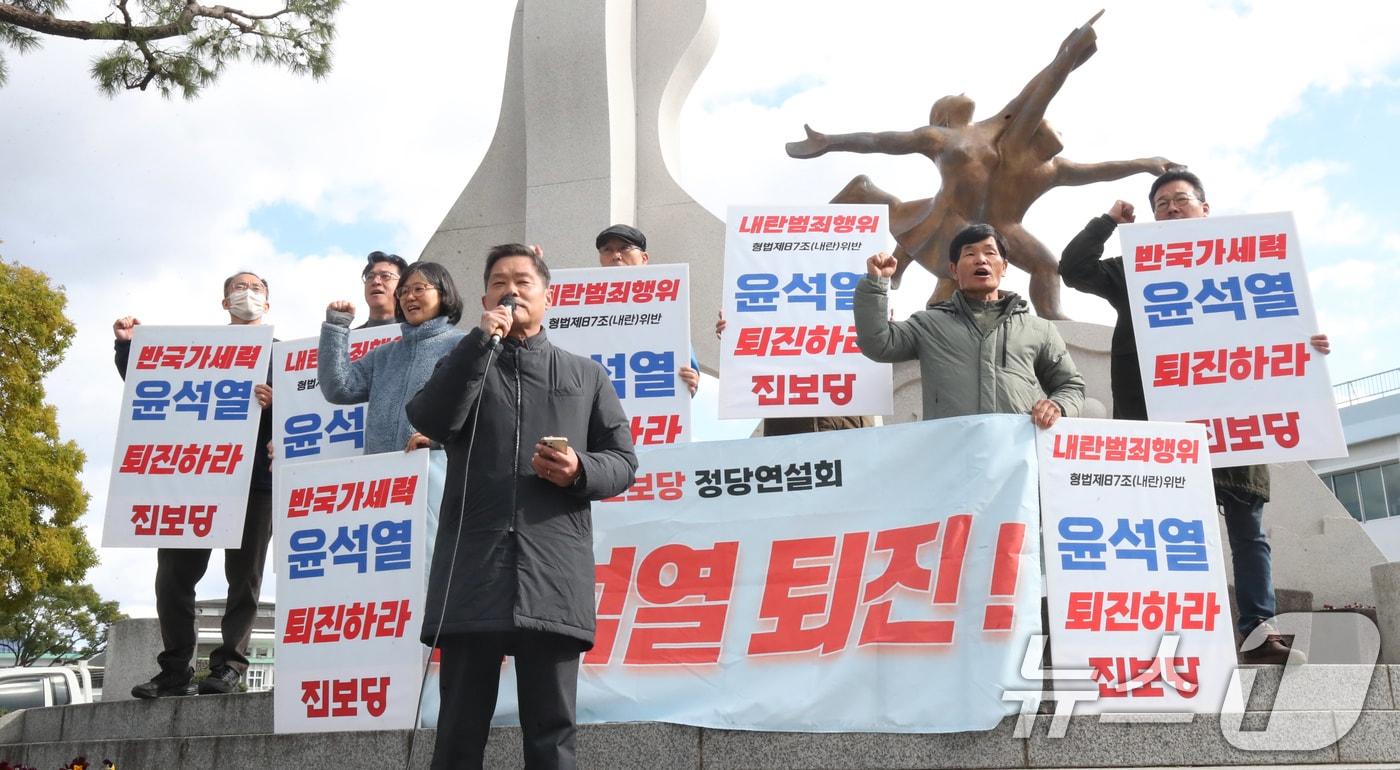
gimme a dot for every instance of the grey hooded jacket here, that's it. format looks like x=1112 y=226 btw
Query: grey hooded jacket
x=386 y=377
x=963 y=370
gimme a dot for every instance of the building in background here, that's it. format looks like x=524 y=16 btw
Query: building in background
x=261 y=648
x=1367 y=482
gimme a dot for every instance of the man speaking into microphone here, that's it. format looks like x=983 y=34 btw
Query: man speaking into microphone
x=512 y=573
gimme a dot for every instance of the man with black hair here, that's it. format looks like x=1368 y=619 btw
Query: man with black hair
x=512 y=573
x=980 y=351
x=381 y=277
x=1240 y=491
x=179 y=569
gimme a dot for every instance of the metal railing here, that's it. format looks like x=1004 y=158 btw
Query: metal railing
x=1367 y=388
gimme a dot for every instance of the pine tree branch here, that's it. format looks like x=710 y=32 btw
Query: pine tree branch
x=128 y=30
x=181 y=44
x=152 y=66
x=49 y=24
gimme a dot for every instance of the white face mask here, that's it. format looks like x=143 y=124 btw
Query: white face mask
x=246 y=306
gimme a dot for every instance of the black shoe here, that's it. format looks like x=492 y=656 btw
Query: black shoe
x=222 y=680
x=166 y=684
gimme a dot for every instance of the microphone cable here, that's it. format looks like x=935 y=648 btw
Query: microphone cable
x=452 y=562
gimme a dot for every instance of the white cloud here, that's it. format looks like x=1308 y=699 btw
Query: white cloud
x=1198 y=82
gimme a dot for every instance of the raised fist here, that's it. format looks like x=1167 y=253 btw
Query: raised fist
x=881 y=265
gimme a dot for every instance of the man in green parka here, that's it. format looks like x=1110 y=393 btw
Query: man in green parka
x=980 y=351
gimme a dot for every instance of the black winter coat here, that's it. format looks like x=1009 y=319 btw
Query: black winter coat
x=525 y=558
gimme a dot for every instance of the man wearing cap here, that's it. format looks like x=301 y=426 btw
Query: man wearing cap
x=624 y=245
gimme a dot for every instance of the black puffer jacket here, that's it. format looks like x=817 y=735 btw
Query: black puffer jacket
x=525 y=560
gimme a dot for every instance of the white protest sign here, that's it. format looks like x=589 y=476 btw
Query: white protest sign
x=186 y=435
x=789 y=347
x=350 y=552
x=1133 y=560
x=635 y=321
x=1222 y=315
x=814 y=583
x=306 y=426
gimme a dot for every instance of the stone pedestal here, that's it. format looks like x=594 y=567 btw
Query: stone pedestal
x=1385 y=578
x=588 y=136
x=132 y=647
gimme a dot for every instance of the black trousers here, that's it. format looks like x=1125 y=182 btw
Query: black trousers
x=546 y=676
x=179 y=569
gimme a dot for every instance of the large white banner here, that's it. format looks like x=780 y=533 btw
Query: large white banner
x=184 y=452
x=789 y=348
x=306 y=426
x=1222 y=313
x=1137 y=588
x=883 y=579
x=350 y=554
x=635 y=321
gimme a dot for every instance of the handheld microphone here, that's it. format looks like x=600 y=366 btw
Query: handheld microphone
x=507 y=301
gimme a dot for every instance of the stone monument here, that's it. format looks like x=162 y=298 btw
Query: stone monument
x=587 y=137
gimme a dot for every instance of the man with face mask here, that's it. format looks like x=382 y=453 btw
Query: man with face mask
x=179 y=569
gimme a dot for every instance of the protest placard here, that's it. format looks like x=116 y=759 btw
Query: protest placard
x=1136 y=581
x=1222 y=314
x=789 y=347
x=350 y=557
x=635 y=321
x=306 y=426
x=185 y=437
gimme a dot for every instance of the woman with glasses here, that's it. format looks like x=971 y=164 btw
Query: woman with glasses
x=389 y=375
x=386 y=377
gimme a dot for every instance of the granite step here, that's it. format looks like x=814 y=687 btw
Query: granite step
x=1313 y=712
x=1088 y=742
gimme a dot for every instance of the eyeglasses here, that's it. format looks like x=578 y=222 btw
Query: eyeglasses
x=621 y=248
x=1180 y=199
x=251 y=288
x=382 y=275
x=416 y=290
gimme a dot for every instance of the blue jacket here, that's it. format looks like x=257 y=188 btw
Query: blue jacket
x=386 y=377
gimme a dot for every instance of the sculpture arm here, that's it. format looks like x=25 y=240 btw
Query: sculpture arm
x=922 y=140
x=1028 y=108
x=1068 y=172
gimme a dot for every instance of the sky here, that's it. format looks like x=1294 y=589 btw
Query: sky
x=140 y=205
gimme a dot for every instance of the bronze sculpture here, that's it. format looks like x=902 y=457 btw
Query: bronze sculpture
x=991 y=171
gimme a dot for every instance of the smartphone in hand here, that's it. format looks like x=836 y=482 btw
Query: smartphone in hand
x=557 y=443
